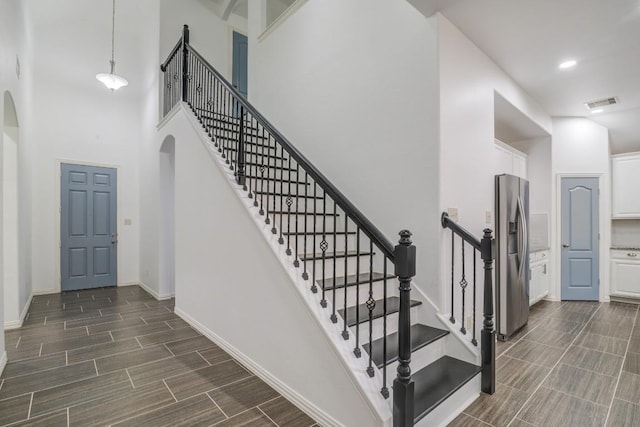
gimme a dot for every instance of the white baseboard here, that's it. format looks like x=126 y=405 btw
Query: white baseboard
x=287 y=392
x=15 y=324
x=3 y=361
x=147 y=288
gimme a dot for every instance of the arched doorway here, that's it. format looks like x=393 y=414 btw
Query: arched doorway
x=13 y=300
x=167 y=217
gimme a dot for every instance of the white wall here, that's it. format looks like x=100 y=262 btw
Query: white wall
x=353 y=85
x=13 y=40
x=229 y=281
x=468 y=83
x=580 y=147
x=74 y=118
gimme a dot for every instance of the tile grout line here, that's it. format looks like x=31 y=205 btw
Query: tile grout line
x=40 y=352
x=167 y=386
x=525 y=335
x=200 y=354
x=624 y=359
x=30 y=405
x=268 y=417
x=551 y=370
x=18 y=343
x=95 y=365
x=217 y=406
x=68 y=417
x=130 y=379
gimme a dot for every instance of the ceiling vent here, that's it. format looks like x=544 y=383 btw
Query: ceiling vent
x=599 y=103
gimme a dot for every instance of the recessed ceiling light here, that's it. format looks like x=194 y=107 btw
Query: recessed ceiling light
x=567 y=64
x=597 y=110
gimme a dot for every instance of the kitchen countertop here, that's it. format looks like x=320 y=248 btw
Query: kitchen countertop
x=538 y=248
x=625 y=248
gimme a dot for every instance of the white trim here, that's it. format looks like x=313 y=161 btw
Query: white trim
x=15 y=324
x=603 y=288
x=280 y=19
x=316 y=413
x=150 y=290
x=57 y=212
x=3 y=361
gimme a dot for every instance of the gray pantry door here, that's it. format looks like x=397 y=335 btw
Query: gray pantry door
x=580 y=239
x=88 y=239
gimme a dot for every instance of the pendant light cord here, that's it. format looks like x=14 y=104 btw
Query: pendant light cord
x=113 y=32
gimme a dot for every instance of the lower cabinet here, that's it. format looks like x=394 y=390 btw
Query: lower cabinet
x=625 y=273
x=539 y=276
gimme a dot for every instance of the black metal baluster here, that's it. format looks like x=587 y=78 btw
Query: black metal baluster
x=267 y=141
x=257 y=158
x=296 y=263
x=262 y=169
x=356 y=350
x=371 y=305
x=314 y=288
x=240 y=160
x=250 y=158
x=474 y=341
x=463 y=286
x=453 y=236
x=334 y=317
x=323 y=247
x=305 y=275
x=272 y=193
x=385 y=390
x=223 y=124
x=281 y=205
x=345 y=332
x=289 y=203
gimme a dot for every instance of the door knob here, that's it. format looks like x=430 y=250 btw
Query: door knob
x=565 y=245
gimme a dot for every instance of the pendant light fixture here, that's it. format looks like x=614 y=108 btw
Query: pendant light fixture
x=112 y=80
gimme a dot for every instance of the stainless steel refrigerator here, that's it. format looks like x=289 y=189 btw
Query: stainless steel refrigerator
x=512 y=254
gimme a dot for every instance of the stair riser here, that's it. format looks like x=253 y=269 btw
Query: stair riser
x=419 y=359
x=352 y=293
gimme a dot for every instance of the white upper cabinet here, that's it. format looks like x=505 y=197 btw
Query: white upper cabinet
x=625 y=183
x=509 y=160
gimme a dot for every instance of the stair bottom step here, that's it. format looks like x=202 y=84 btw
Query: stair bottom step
x=439 y=380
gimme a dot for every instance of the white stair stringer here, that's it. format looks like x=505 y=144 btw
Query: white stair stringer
x=356 y=367
x=455 y=345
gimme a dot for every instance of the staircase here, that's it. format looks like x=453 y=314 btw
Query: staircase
x=345 y=260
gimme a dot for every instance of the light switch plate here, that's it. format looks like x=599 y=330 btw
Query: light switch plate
x=127 y=221
x=488 y=217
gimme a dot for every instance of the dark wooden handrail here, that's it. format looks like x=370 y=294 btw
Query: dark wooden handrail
x=368 y=228
x=460 y=231
x=163 y=66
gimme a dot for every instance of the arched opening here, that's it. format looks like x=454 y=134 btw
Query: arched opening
x=167 y=217
x=13 y=300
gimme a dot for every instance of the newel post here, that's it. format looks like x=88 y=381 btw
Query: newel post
x=488 y=337
x=403 y=385
x=185 y=62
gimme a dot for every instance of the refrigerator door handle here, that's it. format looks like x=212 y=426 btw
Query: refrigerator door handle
x=522 y=238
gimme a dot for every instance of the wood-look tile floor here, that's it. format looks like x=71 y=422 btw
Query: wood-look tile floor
x=116 y=356
x=575 y=364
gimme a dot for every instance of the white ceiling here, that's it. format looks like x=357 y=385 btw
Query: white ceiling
x=529 y=38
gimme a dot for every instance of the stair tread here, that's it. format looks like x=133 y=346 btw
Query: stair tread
x=328 y=255
x=436 y=382
x=421 y=336
x=352 y=280
x=393 y=306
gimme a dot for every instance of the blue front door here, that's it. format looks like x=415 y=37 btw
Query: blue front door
x=580 y=239
x=240 y=63
x=88 y=227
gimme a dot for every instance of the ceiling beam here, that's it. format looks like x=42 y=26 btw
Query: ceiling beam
x=227 y=8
